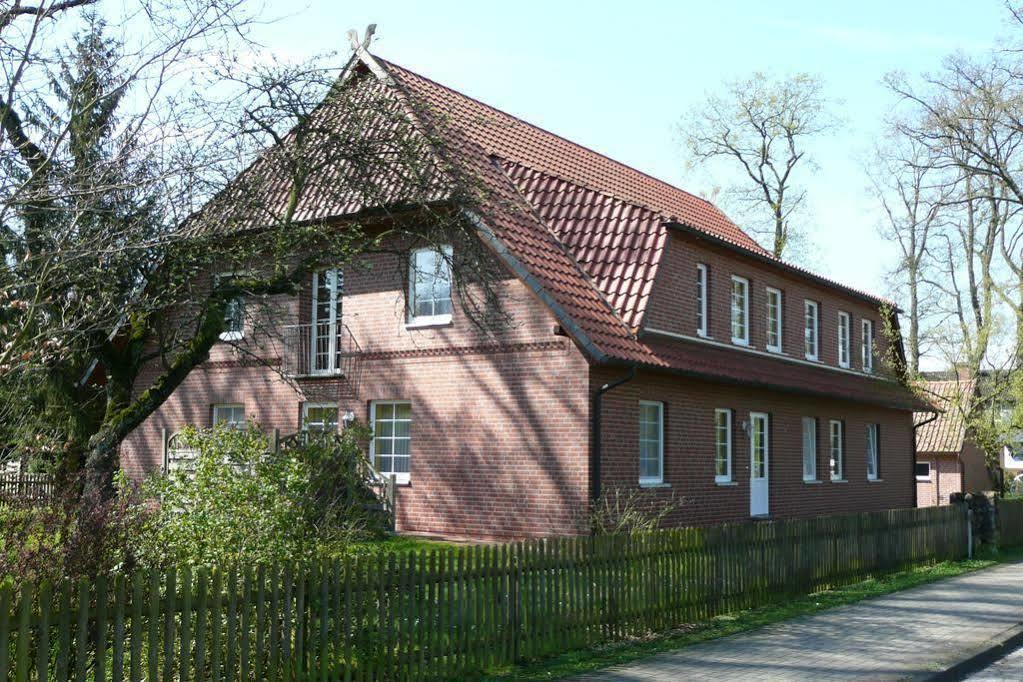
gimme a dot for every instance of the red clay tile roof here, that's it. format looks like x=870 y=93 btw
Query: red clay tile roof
x=948 y=431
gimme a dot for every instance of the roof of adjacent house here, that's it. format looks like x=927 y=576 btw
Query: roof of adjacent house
x=946 y=433
x=585 y=232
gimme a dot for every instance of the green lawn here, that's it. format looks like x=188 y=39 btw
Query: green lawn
x=586 y=660
x=399 y=544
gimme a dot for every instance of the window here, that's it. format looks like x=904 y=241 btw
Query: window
x=773 y=320
x=430 y=286
x=722 y=446
x=319 y=417
x=701 y=299
x=809 y=449
x=867 y=345
x=651 y=442
x=837 y=450
x=740 y=310
x=872 y=433
x=843 y=339
x=923 y=471
x=234 y=314
x=326 y=313
x=811 y=327
x=232 y=415
x=390 y=450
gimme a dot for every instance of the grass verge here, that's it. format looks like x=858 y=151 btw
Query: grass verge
x=603 y=656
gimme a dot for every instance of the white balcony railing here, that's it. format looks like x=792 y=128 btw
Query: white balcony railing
x=318 y=350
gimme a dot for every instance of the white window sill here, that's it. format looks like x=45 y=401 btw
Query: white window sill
x=703 y=335
x=654 y=484
x=875 y=480
x=232 y=336
x=921 y=479
x=811 y=358
x=776 y=351
x=423 y=322
x=812 y=481
x=839 y=480
x=398 y=480
x=740 y=342
x=726 y=484
x=844 y=366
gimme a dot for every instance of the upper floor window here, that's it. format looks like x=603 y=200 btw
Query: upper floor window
x=234 y=314
x=722 y=446
x=837 y=450
x=867 y=344
x=740 y=310
x=230 y=415
x=844 y=328
x=872 y=448
x=429 y=292
x=325 y=347
x=774 y=320
x=651 y=442
x=811 y=329
x=701 y=299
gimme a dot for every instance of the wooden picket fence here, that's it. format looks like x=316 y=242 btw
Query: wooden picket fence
x=1009 y=513
x=444 y=614
x=34 y=487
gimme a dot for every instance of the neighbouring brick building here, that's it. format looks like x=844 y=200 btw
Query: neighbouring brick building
x=654 y=345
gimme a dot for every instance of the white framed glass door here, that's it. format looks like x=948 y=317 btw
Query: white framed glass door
x=326 y=314
x=760 y=452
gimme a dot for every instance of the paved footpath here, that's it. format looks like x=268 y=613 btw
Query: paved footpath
x=905 y=634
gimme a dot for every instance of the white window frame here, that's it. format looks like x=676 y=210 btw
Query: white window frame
x=777 y=322
x=414 y=320
x=313 y=406
x=867 y=345
x=221 y=407
x=836 y=446
x=659 y=479
x=918 y=476
x=814 y=353
x=701 y=300
x=872 y=452
x=744 y=311
x=809 y=456
x=727 y=476
x=402 y=477
x=336 y=287
x=844 y=339
x=239 y=300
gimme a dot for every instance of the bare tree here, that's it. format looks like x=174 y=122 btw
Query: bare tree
x=763 y=128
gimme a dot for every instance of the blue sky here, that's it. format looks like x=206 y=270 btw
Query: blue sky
x=616 y=76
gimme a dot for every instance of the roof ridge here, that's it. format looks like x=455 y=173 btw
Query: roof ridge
x=583 y=147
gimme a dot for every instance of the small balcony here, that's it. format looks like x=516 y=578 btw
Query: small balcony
x=319 y=350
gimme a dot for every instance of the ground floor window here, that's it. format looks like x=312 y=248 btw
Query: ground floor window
x=651 y=442
x=722 y=446
x=232 y=415
x=319 y=417
x=837 y=450
x=809 y=449
x=872 y=433
x=391 y=446
x=923 y=471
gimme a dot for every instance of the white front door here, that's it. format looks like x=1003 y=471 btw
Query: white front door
x=760 y=450
x=326 y=314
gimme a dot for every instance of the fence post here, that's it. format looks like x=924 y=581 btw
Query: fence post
x=969 y=532
x=163 y=450
x=513 y=602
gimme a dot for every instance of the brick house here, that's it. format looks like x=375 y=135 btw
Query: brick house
x=948 y=460
x=655 y=346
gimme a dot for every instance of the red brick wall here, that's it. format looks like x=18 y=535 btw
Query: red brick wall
x=672 y=305
x=946 y=478
x=689 y=449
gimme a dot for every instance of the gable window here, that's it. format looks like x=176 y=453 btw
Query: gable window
x=811 y=328
x=774 y=320
x=701 y=299
x=234 y=314
x=923 y=471
x=319 y=417
x=867 y=345
x=844 y=327
x=651 y=442
x=809 y=449
x=390 y=450
x=722 y=446
x=872 y=447
x=429 y=294
x=837 y=450
x=326 y=313
x=232 y=415
x=740 y=310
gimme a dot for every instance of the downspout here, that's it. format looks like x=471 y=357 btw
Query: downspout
x=595 y=427
x=937 y=493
